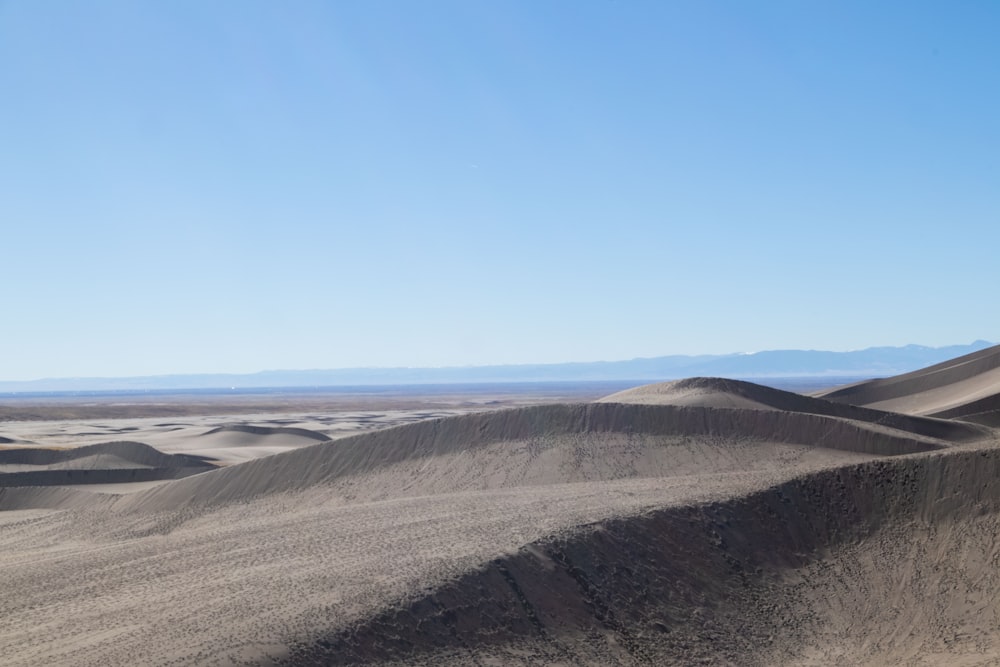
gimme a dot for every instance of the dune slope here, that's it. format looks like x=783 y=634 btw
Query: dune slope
x=794 y=574
x=955 y=388
x=539 y=445
x=726 y=393
x=105 y=463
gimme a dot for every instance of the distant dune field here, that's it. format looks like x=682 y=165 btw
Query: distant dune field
x=703 y=521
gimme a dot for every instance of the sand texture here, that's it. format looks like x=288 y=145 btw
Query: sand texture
x=704 y=521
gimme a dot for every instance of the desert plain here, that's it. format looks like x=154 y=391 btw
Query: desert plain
x=704 y=521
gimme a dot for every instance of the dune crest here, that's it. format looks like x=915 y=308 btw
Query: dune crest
x=550 y=444
x=725 y=393
x=268 y=431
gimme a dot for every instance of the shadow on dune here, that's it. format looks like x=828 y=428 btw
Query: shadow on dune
x=720 y=583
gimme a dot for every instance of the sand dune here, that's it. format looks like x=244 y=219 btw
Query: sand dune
x=984 y=411
x=217 y=437
x=887 y=562
x=964 y=386
x=242 y=436
x=105 y=463
x=725 y=393
x=109 y=454
x=699 y=522
x=236 y=443
x=270 y=430
x=541 y=445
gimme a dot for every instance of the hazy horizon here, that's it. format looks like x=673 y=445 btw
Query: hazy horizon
x=230 y=186
x=884 y=356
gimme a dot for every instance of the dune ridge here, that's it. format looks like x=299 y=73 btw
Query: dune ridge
x=722 y=393
x=104 y=463
x=236 y=443
x=451 y=444
x=269 y=430
x=985 y=411
x=137 y=453
x=945 y=388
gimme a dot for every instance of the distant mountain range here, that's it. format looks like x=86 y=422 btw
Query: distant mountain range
x=870 y=362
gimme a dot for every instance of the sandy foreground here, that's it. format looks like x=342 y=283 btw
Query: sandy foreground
x=699 y=522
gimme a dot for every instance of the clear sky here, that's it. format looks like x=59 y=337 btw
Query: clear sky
x=193 y=186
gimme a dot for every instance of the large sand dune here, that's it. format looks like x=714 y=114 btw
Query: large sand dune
x=700 y=522
x=964 y=387
x=887 y=562
x=725 y=393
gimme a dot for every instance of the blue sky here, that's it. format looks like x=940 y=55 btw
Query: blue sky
x=236 y=186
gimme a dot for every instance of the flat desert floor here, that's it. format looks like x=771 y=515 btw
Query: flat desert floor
x=705 y=521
